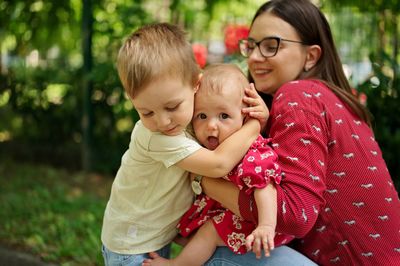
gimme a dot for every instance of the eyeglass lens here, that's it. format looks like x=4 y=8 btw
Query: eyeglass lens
x=268 y=47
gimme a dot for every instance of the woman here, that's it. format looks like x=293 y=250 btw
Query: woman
x=336 y=197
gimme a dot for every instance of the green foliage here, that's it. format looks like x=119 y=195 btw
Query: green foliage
x=53 y=214
x=383 y=91
x=46 y=96
x=365 y=5
x=38 y=24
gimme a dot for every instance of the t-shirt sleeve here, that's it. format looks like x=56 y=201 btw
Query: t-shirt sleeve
x=171 y=149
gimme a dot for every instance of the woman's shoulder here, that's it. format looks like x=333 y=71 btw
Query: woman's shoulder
x=303 y=93
x=302 y=87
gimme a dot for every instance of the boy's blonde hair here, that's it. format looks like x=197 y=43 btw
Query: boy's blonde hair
x=217 y=76
x=156 y=51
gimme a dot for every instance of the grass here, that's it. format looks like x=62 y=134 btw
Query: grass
x=53 y=214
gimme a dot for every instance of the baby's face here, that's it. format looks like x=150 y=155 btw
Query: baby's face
x=165 y=106
x=216 y=116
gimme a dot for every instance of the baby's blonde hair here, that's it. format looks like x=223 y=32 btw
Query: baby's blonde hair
x=216 y=77
x=156 y=51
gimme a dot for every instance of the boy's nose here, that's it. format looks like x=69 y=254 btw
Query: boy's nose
x=163 y=120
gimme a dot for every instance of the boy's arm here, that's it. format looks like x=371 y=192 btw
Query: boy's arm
x=227 y=155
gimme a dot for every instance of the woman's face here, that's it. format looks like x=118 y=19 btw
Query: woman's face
x=271 y=73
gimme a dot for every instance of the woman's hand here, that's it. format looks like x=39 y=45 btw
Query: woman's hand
x=256 y=106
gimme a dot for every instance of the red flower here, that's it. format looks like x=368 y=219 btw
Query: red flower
x=200 y=53
x=233 y=33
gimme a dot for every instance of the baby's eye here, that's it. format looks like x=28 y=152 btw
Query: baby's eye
x=224 y=116
x=202 y=116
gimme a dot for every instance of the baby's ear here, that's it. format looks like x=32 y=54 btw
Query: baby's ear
x=196 y=88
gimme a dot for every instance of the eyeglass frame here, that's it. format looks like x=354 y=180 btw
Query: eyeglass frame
x=257 y=44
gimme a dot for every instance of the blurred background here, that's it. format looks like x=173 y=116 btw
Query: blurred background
x=65 y=121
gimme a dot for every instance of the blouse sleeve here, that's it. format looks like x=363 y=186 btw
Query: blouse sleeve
x=300 y=137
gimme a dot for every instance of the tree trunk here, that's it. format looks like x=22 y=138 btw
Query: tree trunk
x=87 y=118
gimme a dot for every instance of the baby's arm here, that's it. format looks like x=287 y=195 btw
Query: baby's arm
x=221 y=161
x=263 y=235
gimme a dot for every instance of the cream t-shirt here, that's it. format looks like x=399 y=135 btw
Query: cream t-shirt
x=149 y=194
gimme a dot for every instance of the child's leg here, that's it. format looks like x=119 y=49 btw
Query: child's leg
x=199 y=249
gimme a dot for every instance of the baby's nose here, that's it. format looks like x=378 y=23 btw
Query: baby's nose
x=212 y=124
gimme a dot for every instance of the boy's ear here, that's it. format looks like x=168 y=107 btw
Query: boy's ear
x=196 y=88
x=313 y=55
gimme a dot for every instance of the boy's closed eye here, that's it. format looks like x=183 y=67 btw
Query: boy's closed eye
x=172 y=108
x=147 y=114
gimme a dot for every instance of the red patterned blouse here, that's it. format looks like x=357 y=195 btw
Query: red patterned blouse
x=336 y=196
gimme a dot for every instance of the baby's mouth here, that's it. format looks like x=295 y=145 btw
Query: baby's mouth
x=212 y=143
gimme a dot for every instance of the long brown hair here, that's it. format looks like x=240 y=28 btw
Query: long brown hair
x=313 y=29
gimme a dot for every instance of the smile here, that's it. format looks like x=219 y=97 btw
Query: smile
x=261 y=71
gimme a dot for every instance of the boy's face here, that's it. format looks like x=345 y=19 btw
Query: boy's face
x=165 y=105
x=217 y=115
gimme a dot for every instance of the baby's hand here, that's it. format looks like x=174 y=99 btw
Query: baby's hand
x=256 y=106
x=262 y=236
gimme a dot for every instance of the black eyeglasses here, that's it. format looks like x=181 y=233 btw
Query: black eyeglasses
x=268 y=46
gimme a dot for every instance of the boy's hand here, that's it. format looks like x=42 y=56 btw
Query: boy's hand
x=256 y=106
x=261 y=237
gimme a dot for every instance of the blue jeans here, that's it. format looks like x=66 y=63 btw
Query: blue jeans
x=116 y=259
x=282 y=255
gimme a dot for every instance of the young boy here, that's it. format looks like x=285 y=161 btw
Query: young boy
x=151 y=190
x=218 y=115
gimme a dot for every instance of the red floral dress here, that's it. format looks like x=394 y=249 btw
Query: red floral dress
x=256 y=170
